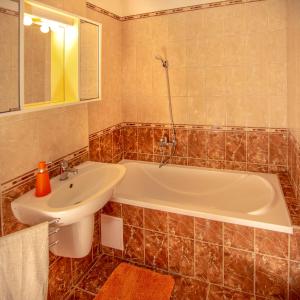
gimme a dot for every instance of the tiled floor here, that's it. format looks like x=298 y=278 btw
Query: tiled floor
x=185 y=288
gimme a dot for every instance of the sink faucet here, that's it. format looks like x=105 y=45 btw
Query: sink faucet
x=65 y=170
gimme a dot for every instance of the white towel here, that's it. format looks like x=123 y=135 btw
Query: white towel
x=24 y=264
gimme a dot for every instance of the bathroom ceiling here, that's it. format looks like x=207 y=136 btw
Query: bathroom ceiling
x=133 y=7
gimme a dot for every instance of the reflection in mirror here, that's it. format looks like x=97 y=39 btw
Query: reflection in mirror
x=37 y=68
x=9 y=55
x=50 y=56
x=89 y=61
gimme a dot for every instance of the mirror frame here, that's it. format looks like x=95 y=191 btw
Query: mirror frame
x=22 y=105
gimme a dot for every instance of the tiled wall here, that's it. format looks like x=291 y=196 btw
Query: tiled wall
x=253 y=261
x=293 y=63
x=108 y=112
x=9 y=59
x=294 y=164
x=241 y=148
x=227 y=66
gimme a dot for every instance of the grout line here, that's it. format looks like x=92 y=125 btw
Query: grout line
x=223 y=252
x=254 y=251
x=289 y=267
x=86 y=291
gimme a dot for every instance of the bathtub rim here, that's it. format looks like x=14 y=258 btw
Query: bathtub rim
x=212 y=216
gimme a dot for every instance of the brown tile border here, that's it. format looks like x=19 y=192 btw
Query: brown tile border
x=73 y=158
x=9 y=12
x=168 y=11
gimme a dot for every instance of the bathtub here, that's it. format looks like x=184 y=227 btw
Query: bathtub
x=244 y=198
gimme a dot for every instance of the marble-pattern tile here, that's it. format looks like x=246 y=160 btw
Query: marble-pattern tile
x=189 y=289
x=52 y=258
x=94 y=149
x=209 y=262
x=182 y=142
x=221 y=293
x=236 y=165
x=288 y=191
x=295 y=245
x=144 y=157
x=208 y=231
x=156 y=249
x=97 y=235
x=294 y=280
x=278 y=148
x=181 y=255
x=216 y=145
x=78 y=294
x=112 y=209
x=117 y=142
x=238 y=236
x=236 y=146
x=176 y=160
x=271 y=277
x=257 y=168
x=106 y=153
x=181 y=225
x=60 y=278
x=133 y=215
x=134 y=244
x=239 y=270
x=257 y=147
x=130 y=139
x=216 y=164
x=196 y=162
x=112 y=251
x=98 y=274
x=197 y=144
x=80 y=266
x=131 y=156
x=271 y=243
x=145 y=140
x=156 y=220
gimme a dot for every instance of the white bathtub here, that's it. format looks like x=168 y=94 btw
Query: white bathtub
x=245 y=198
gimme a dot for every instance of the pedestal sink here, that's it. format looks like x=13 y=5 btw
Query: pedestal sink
x=74 y=202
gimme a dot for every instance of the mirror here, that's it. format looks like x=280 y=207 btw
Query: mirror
x=9 y=55
x=37 y=65
x=50 y=56
x=89 y=61
x=61 y=57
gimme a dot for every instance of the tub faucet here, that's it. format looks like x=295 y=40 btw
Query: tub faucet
x=65 y=170
x=163 y=142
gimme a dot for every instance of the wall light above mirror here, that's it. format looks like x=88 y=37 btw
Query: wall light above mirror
x=59 y=58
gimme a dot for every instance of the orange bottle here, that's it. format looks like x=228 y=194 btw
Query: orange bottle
x=42 y=186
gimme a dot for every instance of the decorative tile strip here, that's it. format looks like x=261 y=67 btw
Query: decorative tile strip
x=103 y=11
x=105 y=131
x=73 y=157
x=169 y=11
x=9 y=12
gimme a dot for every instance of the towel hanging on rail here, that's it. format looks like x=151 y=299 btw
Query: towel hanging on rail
x=24 y=261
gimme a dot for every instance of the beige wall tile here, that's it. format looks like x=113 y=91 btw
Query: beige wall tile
x=236 y=49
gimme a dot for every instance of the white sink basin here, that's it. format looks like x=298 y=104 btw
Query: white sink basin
x=73 y=201
x=77 y=197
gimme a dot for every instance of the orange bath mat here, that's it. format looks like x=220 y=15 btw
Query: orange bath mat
x=128 y=282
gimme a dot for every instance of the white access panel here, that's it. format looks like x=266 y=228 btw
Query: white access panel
x=112 y=232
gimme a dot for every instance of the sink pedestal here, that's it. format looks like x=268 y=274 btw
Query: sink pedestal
x=75 y=240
